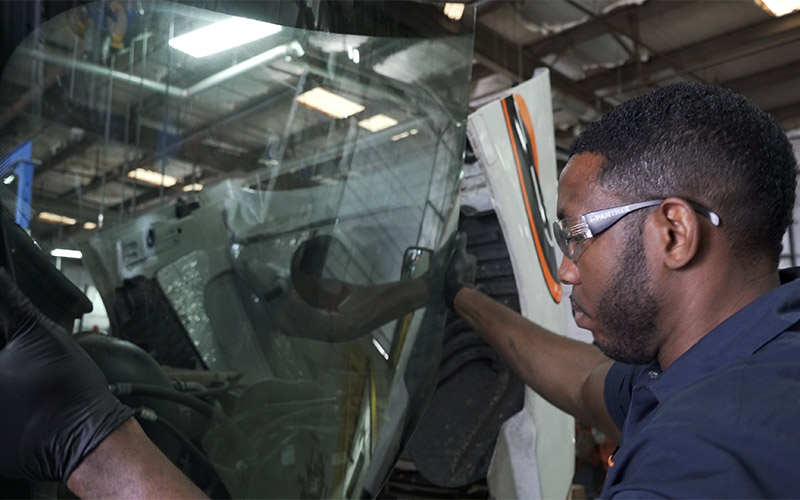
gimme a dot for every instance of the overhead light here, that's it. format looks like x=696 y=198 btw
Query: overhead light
x=66 y=254
x=377 y=123
x=150 y=177
x=8 y=180
x=779 y=7
x=353 y=54
x=89 y=225
x=56 y=219
x=403 y=135
x=380 y=349
x=223 y=35
x=454 y=10
x=329 y=103
x=192 y=187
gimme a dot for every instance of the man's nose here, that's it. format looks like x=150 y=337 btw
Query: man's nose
x=568 y=272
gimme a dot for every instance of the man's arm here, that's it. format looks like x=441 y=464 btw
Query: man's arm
x=126 y=464
x=568 y=373
x=59 y=420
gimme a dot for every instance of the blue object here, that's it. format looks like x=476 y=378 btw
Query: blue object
x=20 y=163
x=723 y=420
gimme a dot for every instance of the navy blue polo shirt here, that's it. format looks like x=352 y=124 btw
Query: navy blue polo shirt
x=724 y=419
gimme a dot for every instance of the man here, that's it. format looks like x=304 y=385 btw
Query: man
x=672 y=210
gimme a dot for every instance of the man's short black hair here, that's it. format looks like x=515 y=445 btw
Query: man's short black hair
x=705 y=144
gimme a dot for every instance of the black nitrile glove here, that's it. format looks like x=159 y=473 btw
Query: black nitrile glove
x=452 y=269
x=56 y=406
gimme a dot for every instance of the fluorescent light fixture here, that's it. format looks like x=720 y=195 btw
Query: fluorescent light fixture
x=779 y=7
x=403 y=135
x=329 y=103
x=192 y=187
x=89 y=225
x=150 y=177
x=8 y=180
x=56 y=219
x=454 y=10
x=223 y=35
x=66 y=254
x=380 y=349
x=377 y=123
x=353 y=54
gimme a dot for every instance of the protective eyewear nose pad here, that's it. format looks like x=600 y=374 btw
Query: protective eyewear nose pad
x=561 y=239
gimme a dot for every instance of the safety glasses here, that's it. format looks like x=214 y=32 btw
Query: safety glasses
x=572 y=233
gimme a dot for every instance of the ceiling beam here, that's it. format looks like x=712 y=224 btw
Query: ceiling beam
x=502 y=55
x=599 y=25
x=788 y=115
x=714 y=51
x=51 y=201
x=68 y=151
x=631 y=31
x=189 y=147
x=28 y=95
x=764 y=78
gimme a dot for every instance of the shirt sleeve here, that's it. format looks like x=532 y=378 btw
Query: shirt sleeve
x=618 y=389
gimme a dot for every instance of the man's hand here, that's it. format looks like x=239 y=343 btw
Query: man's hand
x=452 y=269
x=56 y=407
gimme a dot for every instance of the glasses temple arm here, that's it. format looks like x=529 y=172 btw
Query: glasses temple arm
x=601 y=220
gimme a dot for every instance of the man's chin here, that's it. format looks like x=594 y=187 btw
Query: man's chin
x=622 y=355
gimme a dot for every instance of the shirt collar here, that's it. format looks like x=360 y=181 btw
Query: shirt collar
x=733 y=339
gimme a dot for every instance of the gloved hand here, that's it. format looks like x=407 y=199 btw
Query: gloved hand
x=56 y=406
x=452 y=269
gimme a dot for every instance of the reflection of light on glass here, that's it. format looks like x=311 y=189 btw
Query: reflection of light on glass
x=380 y=349
x=8 y=180
x=403 y=135
x=150 y=177
x=89 y=225
x=353 y=54
x=222 y=36
x=192 y=187
x=779 y=7
x=56 y=219
x=66 y=254
x=454 y=10
x=377 y=123
x=329 y=103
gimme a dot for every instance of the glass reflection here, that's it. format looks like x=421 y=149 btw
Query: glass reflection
x=291 y=295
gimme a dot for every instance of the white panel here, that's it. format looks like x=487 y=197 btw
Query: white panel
x=490 y=131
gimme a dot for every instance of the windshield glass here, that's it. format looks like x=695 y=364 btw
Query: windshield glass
x=261 y=219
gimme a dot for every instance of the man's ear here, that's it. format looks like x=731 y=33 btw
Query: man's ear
x=678 y=230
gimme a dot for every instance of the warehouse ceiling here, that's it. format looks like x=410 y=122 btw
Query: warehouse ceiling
x=599 y=53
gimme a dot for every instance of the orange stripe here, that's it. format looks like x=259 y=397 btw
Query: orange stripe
x=526 y=121
x=553 y=286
